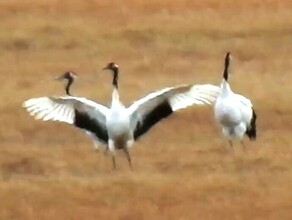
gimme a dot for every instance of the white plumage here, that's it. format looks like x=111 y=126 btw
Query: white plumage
x=118 y=127
x=233 y=112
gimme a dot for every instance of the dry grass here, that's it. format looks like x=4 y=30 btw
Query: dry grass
x=183 y=169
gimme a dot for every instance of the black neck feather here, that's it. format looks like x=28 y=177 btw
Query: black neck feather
x=115 y=77
x=67 y=88
x=225 y=74
x=226 y=66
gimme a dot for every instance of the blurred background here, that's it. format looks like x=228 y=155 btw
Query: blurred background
x=183 y=168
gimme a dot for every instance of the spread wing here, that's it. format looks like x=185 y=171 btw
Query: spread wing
x=81 y=112
x=149 y=110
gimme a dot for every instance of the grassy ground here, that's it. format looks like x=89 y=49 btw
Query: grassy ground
x=183 y=169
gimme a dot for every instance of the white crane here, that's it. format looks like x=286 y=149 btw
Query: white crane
x=118 y=127
x=233 y=112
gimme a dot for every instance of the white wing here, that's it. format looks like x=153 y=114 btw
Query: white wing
x=78 y=111
x=157 y=105
x=179 y=97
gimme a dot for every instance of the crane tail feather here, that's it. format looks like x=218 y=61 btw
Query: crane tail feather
x=251 y=132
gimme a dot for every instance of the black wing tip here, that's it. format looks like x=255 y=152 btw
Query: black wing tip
x=251 y=132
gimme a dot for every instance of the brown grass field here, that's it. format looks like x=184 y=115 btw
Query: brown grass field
x=183 y=168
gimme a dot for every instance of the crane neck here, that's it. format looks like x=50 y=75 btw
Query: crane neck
x=115 y=99
x=115 y=95
x=115 y=78
x=226 y=69
x=225 y=73
x=225 y=88
x=67 y=88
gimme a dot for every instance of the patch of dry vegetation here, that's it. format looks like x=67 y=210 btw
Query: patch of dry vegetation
x=183 y=168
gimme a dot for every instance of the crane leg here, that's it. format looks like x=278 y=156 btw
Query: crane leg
x=230 y=144
x=243 y=145
x=114 y=161
x=128 y=156
x=111 y=147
